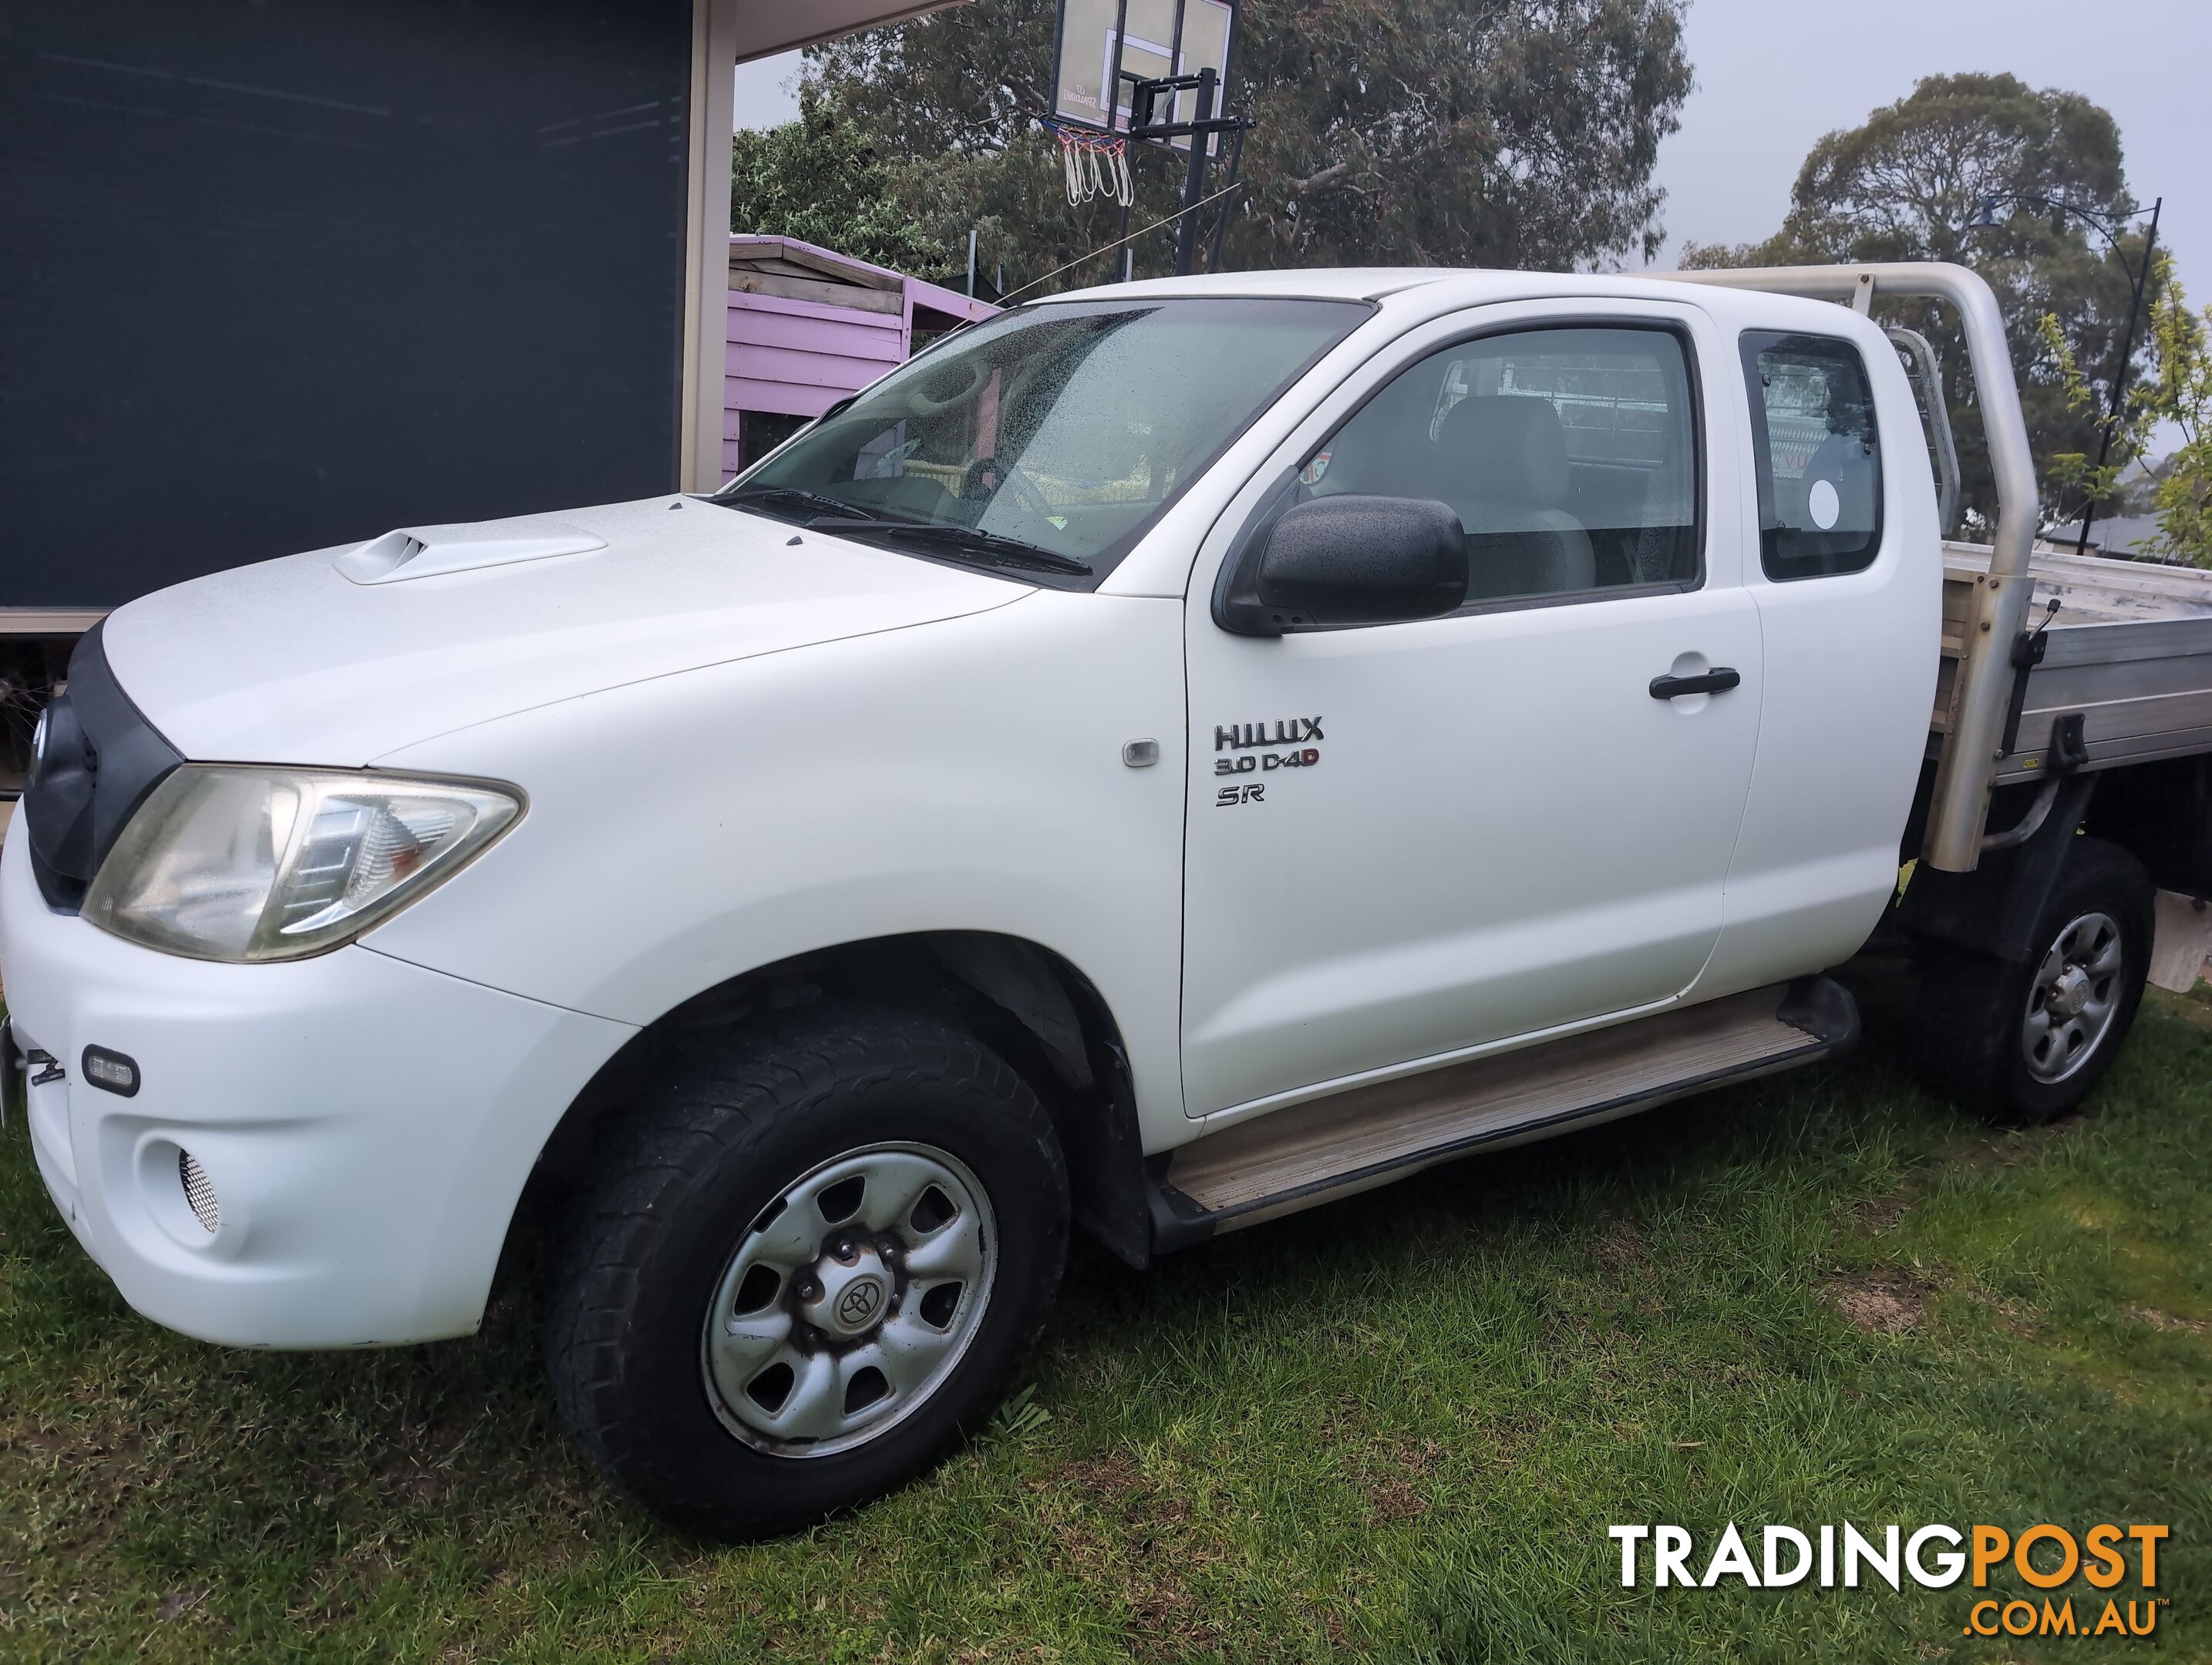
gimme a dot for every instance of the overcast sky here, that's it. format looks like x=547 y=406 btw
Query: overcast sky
x=1773 y=75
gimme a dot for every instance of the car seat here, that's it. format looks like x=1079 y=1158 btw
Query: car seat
x=1511 y=486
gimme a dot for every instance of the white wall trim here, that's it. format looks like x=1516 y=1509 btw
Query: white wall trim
x=707 y=241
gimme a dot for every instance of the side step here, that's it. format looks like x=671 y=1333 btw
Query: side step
x=1276 y=1163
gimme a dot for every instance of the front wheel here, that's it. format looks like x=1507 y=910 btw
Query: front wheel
x=804 y=1270
x=2027 y=1042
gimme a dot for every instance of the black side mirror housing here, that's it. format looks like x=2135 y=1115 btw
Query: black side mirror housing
x=1346 y=561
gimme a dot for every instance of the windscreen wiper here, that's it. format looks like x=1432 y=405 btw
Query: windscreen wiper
x=795 y=499
x=972 y=541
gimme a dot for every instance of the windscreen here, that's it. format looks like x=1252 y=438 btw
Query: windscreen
x=1064 y=428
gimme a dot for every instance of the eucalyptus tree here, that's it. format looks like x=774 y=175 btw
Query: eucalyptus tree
x=2013 y=181
x=1474 y=132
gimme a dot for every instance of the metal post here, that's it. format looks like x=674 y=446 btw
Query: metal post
x=1193 y=179
x=1114 y=73
x=2120 y=376
x=1221 y=220
x=971 y=263
x=1113 y=111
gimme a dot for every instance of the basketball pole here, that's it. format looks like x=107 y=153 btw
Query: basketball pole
x=1221 y=219
x=1113 y=101
x=1199 y=131
x=1194 y=179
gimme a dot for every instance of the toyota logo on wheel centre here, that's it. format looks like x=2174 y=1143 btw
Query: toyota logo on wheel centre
x=858 y=1303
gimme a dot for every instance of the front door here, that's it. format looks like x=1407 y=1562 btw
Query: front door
x=1407 y=841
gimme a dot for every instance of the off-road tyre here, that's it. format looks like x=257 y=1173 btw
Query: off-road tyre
x=1970 y=1041
x=681 y=1180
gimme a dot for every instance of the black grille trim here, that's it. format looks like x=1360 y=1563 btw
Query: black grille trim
x=101 y=759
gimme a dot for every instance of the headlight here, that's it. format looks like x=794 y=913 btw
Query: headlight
x=247 y=864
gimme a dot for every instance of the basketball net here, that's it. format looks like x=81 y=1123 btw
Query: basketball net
x=1096 y=165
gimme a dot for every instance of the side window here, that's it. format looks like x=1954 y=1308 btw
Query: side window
x=1817 y=455
x=1570 y=455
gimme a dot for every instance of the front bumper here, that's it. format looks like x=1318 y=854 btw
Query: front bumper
x=366 y=1125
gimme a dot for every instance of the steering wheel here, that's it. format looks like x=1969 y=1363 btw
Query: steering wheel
x=923 y=403
x=977 y=486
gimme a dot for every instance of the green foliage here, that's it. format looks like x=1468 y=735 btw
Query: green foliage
x=1394 y=1429
x=2177 y=390
x=2180 y=392
x=1907 y=184
x=822 y=179
x=2071 y=471
x=1477 y=132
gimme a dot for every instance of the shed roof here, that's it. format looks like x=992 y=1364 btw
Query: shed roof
x=766 y=264
x=2115 y=534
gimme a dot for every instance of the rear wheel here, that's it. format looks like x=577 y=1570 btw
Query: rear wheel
x=804 y=1270
x=2027 y=1043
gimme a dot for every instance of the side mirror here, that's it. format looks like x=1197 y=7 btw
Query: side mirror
x=1348 y=560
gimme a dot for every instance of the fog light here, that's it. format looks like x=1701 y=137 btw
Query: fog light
x=198 y=1192
x=111 y=1070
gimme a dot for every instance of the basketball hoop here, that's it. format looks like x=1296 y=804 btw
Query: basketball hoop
x=1096 y=165
x=1152 y=71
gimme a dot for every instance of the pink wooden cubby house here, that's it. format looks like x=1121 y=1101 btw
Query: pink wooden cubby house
x=808 y=325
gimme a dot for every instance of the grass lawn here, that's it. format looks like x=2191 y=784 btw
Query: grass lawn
x=1396 y=1427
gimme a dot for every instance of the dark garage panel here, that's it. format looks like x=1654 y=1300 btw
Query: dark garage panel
x=276 y=276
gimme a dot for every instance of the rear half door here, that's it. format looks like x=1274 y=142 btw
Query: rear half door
x=1847 y=573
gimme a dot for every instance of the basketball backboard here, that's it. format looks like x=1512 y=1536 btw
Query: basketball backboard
x=1146 y=38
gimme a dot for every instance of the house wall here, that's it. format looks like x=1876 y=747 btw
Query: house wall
x=277 y=277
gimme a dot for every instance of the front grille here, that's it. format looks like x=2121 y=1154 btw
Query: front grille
x=99 y=760
x=197 y=1191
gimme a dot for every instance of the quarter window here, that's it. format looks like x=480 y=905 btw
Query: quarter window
x=1569 y=456
x=1817 y=457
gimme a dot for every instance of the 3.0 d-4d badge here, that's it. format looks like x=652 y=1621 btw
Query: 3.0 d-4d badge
x=1289 y=731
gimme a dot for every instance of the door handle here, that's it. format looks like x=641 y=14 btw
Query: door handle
x=1718 y=680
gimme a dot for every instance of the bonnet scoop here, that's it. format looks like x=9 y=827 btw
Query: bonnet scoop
x=428 y=551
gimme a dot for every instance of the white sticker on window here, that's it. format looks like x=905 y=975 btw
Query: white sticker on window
x=1822 y=503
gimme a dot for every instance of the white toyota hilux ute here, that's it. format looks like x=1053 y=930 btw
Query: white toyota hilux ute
x=1164 y=758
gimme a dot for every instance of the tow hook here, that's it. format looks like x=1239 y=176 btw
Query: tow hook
x=14 y=1092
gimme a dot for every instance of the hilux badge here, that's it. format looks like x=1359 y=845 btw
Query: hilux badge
x=1285 y=732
